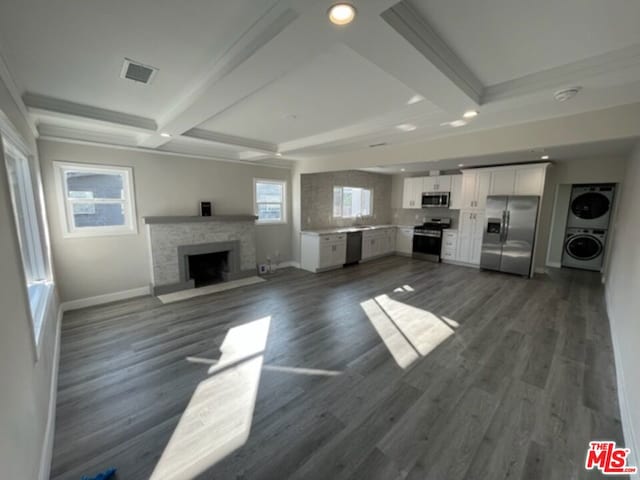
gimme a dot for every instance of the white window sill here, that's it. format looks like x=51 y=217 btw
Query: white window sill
x=277 y=222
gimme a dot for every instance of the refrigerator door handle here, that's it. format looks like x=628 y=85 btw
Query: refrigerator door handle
x=503 y=227
x=507 y=224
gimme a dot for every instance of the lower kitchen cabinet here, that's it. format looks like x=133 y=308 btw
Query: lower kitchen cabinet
x=323 y=252
x=449 y=244
x=404 y=240
x=376 y=243
x=469 y=239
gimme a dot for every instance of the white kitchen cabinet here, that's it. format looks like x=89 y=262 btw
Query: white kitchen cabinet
x=475 y=188
x=441 y=183
x=404 y=240
x=530 y=181
x=455 y=199
x=378 y=242
x=503 y=182
x=449 y=244
x=323 y=252
x=469 y=239
x=412 y=192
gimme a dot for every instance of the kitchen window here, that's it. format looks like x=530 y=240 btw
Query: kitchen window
x=270 y=201
x=29 y=225
x=351 y=202
x=95 y=199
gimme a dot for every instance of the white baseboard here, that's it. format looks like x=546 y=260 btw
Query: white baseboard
x=625 y=406
x=107 y=298
x=554 y=264
x=289 y=263
x=47 y=444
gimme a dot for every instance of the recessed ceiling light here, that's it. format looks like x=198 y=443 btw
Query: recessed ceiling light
x=544 y=157
x=461 y=165
x=470 y=114
x=406 y=127
x=457 y=123
x=417 y=98
x=566 y=94
x=278 y=154
x=402 y=169
x=165 y=135
x=342 y=13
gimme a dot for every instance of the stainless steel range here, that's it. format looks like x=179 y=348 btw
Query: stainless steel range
x=427 y=239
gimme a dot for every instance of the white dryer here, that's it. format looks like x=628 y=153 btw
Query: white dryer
x=584 y=248
x=590 y=206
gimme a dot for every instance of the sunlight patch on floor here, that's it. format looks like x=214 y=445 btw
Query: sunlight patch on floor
x=302 y=371
x=408 y=332
x=217 y=420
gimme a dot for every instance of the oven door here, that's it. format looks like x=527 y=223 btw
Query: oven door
x=427 y=245
x=430 y=200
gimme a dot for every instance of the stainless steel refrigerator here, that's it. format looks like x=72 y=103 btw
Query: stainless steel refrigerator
x=509 y=233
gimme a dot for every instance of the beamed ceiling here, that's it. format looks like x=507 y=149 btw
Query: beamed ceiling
x=272 y=80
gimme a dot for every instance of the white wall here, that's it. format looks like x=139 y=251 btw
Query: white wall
x=622 y=283
x=26 y=381
x=164 y=185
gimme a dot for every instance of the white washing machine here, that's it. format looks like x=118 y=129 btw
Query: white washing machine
x=590 y=206
x=584 y=248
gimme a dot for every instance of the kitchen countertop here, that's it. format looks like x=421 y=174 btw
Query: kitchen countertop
x=351 y=229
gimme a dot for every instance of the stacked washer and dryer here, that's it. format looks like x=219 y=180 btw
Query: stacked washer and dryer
x=587 y=226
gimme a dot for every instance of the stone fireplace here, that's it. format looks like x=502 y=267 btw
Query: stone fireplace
x=190 y=252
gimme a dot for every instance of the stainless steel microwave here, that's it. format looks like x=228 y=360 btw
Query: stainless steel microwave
x=435 y=199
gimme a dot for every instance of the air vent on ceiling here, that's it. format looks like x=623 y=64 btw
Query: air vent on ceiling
x=374 y=145
x=138 y=72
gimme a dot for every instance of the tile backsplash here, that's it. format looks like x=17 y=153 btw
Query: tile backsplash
x=317 y=198
x=403 y=216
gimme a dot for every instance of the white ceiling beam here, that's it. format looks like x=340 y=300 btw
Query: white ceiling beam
x=40 y=104
x=270 y=48
x=403 y=44
x=215 y=137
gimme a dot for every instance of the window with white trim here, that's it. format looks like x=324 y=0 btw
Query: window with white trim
x=96 y=199
x=351 y=202
x=270 y=198
x=29 y=226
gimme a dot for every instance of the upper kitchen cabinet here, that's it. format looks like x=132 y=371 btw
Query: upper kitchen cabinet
x=441 y=183
x=503 y=182
x=530 y=180
x=475 y=188
x=518 y=180
x=412 y=192
x=479 y=183
x=455 y=200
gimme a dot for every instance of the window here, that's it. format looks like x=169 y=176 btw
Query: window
x=29 y=227
x=96 y=199
x=350 y=202
x=270 y=198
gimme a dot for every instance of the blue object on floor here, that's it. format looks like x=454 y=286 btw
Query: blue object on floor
x=110 y=472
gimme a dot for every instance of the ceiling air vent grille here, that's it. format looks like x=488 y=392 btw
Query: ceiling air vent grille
x=136 y=71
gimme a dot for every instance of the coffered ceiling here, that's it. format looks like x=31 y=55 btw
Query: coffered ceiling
x=272 y=80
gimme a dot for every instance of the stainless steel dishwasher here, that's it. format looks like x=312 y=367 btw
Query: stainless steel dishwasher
x=354 y=247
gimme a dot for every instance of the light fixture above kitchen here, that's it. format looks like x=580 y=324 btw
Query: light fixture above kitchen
x=417 y=98
x=544 y=157
x=470 y=114
x=406 y=127
x=341 y=13
x=165 y=135
x=457 y=123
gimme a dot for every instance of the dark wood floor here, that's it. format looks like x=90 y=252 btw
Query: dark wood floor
x=392 y=369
